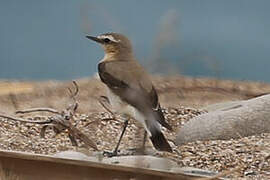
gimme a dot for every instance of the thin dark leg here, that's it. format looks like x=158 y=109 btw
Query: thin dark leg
x=114 y=153
x=144 y=140
x=141 y=150
x=124 y=129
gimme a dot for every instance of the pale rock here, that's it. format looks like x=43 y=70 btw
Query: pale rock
x=228 y=121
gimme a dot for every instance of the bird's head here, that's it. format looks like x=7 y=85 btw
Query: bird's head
x=113 y=43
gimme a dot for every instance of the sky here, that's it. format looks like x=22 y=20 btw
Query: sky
x=226 y=39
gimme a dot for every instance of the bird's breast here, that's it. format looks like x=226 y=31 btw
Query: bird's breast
x=122 y=107
x=118 y=104
x=115 y=100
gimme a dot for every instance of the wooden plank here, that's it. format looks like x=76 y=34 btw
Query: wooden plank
x=25 y=166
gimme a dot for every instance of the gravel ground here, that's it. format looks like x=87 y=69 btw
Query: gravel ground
x=246 y=156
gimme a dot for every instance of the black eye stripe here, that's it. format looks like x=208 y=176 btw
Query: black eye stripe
x=106 y=40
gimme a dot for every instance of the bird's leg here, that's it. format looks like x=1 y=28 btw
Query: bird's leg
x=141 y=150
x=144 y=140
x=121 y=136
x=114 y=153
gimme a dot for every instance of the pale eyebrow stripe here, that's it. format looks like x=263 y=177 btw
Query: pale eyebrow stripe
x=109 y=37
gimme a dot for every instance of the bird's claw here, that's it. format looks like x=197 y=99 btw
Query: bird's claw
x=110 y=154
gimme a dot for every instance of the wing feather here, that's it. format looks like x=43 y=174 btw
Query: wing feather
x=133 y=86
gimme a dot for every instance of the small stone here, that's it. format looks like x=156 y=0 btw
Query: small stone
x=250 y=172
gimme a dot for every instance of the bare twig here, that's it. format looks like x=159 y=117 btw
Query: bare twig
x=37 y=110
x=23 y=120
x=105 y=103
x=78 y=134
x=73 y=140
x=73 y=95
x=61 y=121
x=74 y=106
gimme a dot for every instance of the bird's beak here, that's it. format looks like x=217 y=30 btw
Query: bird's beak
x=94 y=39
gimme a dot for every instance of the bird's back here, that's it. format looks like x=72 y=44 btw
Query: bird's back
x=130 y=72
x=132 y=84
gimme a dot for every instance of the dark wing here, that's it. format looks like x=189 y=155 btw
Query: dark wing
x=157 y=111
x=132 y=87
x=111 y=81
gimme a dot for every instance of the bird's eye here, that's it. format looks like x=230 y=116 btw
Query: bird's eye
x=106 y=40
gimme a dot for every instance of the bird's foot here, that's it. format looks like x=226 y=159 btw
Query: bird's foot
x=137 y=151
x=110 y=154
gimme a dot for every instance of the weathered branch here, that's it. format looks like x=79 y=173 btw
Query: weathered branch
x=76 y=90
x=23 y=120
x=37 y=110
x=73 y=107
x=231 y=121
x=60 y=122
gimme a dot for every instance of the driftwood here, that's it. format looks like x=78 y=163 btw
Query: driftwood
x=60 y=121
x=242 y=119
x=23 y=120
x=37 y=110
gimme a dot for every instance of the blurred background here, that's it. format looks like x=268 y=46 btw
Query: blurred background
x=225 y=39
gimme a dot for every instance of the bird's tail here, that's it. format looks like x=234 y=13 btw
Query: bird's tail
x=159 y=141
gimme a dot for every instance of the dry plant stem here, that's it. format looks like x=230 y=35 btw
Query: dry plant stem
x=37 y=110
x=73 y=140
x=93 y=122
x=104 y=101
x=75 y=105
x=73 y=131
x=60 y=122
x=23 y=120
x=73 y=95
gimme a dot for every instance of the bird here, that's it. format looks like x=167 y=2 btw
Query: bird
x=129 y=88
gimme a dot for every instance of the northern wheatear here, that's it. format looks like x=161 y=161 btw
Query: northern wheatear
x=130 y=89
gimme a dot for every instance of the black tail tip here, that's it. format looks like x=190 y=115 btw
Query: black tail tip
x=160 y=143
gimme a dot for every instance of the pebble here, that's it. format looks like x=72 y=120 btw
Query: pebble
x=214 y=156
